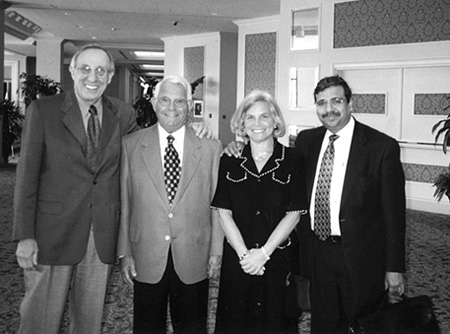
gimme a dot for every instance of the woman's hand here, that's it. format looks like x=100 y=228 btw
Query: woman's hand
x=253 y=263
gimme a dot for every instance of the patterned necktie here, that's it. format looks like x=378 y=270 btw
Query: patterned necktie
x=322 y=223
x=93 y=138
x=172 y=169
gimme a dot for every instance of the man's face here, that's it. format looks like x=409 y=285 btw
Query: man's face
x=171 y=106
x=90 y=86
x=332 y=108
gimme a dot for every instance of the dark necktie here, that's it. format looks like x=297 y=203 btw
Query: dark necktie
x=93 y=138
x=322 y=220
x=172 y=169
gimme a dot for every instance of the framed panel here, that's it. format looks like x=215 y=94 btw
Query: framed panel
x=377 y=96
x=302 y=81
x=424 y=92
x=305 y=29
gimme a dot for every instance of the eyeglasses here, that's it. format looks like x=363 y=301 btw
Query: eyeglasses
x=165 y=101
x=100 y=72
x=336 y=102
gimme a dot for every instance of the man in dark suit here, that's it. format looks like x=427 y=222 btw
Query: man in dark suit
x=353 y=246
x=170 y=239
x=67 y=198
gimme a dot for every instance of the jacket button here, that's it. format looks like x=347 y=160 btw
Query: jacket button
x=258 y=213
x=167 y=237
x=170 y=215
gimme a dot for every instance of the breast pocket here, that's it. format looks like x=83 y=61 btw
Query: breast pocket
x=237 y=177
x=281 y=178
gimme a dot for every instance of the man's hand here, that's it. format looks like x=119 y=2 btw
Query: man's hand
x=128 y=269
x=26 y=253
x=201 y=130
x=234 y=149
x=214 y=265
x=396 y=285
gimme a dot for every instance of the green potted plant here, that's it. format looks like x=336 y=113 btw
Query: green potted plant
x=34 y=86
x=12 y=126
x=442 y=181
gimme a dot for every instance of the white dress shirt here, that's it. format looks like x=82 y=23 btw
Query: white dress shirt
x=341 y=153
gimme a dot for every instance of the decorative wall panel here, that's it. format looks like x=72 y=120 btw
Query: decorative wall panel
x=369 y=103
x=194 y=63
x=260 y=62
x=431 y=104
x=422 y=173
x=381 y=22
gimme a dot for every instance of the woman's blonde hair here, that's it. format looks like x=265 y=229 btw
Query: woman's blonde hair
x=237 y=120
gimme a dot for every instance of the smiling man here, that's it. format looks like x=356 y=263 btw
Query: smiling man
x=353 y=245
x=67 y=198
x=169 y=240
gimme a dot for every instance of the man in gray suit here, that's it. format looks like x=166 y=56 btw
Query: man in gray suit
x=169 y=240
x=67 y=198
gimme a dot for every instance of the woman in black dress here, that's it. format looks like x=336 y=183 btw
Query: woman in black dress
x=259 y=206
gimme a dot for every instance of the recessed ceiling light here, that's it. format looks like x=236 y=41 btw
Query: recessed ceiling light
x=149 y=54
x=155 y=74
x=94 y=37
x=68 y=13
x=152 y=67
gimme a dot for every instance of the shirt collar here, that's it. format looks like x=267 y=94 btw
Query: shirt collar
x=178 y=135
x=84 y=107
x=346 y=131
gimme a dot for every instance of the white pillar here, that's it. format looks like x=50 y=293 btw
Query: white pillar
x=50 y=58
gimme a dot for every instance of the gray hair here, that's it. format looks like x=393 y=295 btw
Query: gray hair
x=92 y=47
x=175 y=79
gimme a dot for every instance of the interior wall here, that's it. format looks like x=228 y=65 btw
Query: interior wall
x=395 y=79
x=216 y=86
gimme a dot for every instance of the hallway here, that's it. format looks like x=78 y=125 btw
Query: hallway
x=428 y=263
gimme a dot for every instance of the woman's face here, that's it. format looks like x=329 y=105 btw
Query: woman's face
x=259 y=123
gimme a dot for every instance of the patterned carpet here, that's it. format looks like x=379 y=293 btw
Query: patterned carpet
x=428 y=257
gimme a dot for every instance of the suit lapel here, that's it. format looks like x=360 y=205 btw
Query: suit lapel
x=191 y=159
x=71 y=118
x=357 y=154
x=313 y=156
x=109 y=122
x=151 y=156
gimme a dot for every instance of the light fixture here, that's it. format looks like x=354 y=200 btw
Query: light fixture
x=149 y=54
x=152 y=67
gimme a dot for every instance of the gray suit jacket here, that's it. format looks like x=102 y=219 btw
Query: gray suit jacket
x=57 y=197
x=149 y=226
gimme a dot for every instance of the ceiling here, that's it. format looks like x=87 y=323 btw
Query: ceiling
x=124 y=26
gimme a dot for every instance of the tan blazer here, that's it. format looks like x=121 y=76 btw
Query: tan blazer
x=57 y=197
x=148 y=225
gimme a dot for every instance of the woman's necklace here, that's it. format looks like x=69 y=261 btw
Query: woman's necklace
x=260 y=156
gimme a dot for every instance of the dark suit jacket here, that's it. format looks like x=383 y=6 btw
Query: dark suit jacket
x=149 y=226
x=372 y=212
x=57 y=197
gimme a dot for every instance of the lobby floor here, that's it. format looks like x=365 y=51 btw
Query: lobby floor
x=428 y=270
